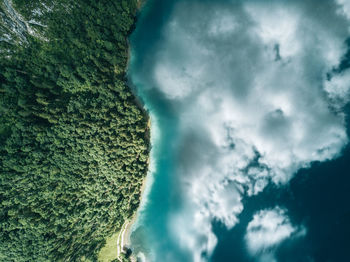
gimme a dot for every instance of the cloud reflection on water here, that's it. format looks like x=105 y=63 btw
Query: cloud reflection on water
x=253 y=90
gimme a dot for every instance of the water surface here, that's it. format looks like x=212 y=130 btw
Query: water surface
x=241 y=124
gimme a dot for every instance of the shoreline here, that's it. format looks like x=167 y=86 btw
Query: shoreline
x=123 y=240
x=126 y=242
x=126 y=233
x=128 y=230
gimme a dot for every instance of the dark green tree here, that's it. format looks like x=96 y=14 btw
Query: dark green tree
x=74 y=143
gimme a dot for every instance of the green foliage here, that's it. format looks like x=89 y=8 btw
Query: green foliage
x=73 y=140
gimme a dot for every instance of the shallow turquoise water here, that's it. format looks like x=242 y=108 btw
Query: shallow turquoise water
x=162 y=197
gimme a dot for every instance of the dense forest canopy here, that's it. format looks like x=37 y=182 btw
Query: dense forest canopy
x=73 y=140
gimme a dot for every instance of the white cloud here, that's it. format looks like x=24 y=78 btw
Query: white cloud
x=248 y=87
x=285 y=34
x=338 y=88
x=344 y=7
x=267 y=230
x=222 y=24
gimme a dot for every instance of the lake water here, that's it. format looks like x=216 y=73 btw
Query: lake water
x=316 y=198
x=160 y=194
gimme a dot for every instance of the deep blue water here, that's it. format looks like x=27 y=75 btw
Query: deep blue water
x=317 y=197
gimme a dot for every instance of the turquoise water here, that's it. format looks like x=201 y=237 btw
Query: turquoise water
x=317 y=197
x=161 y=196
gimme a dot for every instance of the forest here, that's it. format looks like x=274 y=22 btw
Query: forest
x=74 y=140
